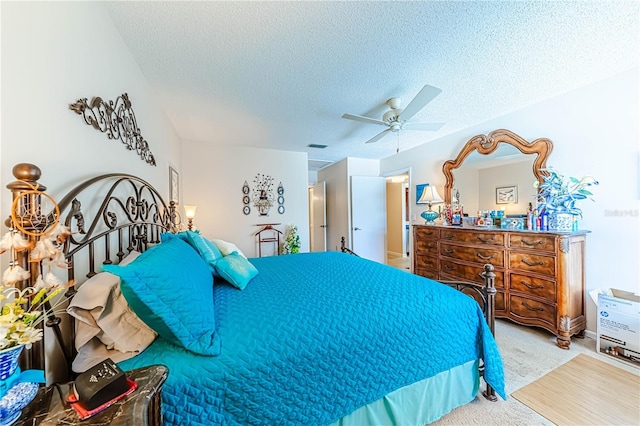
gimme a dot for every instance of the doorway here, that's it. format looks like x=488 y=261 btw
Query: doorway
x=398 y=224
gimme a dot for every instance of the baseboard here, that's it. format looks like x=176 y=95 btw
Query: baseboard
x=590 y=334
x=394 y=254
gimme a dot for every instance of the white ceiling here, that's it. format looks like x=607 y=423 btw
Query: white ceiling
x=281 y=74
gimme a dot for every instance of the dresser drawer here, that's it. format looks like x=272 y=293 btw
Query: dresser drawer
x=423 y=232
x=473 y=254
x=427 y=247
x=468 y=273
x=426 y=262
x=428 y=273
x=531 y=309
x=499 y=299
x=533 y=286
x=538 y=263
x=533 y=241
x=472 y=237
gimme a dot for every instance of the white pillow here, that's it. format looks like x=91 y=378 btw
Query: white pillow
x=102 y=313
x=226 y=248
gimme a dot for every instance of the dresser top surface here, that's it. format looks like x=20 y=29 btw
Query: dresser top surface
x=493 y=228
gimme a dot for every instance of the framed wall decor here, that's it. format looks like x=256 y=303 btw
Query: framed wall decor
x=507 y=194
x=419 y=190
x=174 y=185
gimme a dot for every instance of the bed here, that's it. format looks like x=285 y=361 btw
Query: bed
x=311 y=338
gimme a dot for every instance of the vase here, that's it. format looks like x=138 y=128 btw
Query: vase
x=429 y=217
x=562 y=222
x=9 y=361
x=17 y=396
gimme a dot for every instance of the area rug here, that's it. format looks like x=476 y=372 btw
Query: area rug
x=585 y=391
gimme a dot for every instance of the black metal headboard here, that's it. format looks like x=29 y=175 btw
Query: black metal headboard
x=109 y=216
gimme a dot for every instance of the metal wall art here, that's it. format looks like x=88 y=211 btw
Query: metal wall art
x=263 y=193
x=117 y=120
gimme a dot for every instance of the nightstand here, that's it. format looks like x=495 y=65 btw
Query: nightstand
x=142 y=407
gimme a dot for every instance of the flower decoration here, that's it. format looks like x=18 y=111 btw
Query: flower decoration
x=23 y=309
x=559 y=193
x=291 y=241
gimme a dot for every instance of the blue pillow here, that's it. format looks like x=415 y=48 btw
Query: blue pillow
x=236 y=269
x=161 y=286
x=208 y=251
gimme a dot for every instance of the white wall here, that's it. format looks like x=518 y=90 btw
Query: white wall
x=595 y=131
x=213 y=176
x=337 y=198
x=337 y=178
x=54 y=53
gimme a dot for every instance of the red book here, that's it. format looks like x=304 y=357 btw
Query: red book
x=83 y=413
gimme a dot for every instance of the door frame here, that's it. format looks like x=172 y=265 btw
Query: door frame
x=397 y=172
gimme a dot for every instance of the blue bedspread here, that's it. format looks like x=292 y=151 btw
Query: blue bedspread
x=315 y=336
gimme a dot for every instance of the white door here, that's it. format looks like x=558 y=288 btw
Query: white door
x=318 y=220
x=369 y=217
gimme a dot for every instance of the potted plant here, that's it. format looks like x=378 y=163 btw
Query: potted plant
x=557 y=197
x=291 y=241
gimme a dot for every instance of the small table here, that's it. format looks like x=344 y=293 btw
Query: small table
x=142 y=407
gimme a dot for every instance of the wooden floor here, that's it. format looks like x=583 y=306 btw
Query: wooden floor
x=585 y=391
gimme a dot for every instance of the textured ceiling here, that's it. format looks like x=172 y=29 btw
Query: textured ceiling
x=281 y=74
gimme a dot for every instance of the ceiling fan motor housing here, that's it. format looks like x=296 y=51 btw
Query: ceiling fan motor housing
x=396 y=118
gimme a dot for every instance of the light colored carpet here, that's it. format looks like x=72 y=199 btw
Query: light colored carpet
x=528 y=353
x=585 y=391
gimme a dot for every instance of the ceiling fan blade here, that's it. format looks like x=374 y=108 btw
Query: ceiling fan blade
x=422 y=126
x=365 y=119
x=423 y=97
x=379 y=136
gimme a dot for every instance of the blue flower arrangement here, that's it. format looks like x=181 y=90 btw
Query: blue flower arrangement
x=559 y=193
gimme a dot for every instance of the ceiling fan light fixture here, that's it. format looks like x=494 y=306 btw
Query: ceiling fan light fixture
x=391 y=116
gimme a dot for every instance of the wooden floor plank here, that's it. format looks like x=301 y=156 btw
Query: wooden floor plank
x=585 y=391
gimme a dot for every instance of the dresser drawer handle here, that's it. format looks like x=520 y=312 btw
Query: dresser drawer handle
x=449 y=251
x=486 y=240
x=539 y=263
x=485 y=257
x=449 y=267
x=448 y=237
x=531 y=243
x=531 y=286
x=531 y=308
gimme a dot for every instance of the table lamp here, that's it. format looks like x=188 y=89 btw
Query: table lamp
x=430 y=196
x=190 y=213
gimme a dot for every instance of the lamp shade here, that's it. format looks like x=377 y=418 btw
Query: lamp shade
x=430 y=195
x=190 y=211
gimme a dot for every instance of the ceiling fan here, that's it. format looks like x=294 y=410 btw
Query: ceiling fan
x=396 y=119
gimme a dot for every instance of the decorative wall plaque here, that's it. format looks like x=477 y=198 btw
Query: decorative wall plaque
x=117 y=120
x=263 y=193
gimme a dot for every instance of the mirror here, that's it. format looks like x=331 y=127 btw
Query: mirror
x=496 y=172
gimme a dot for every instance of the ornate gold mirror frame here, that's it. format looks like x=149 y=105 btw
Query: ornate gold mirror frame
x=487 y=144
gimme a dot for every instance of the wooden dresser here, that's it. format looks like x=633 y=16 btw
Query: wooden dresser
x=540 y=276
